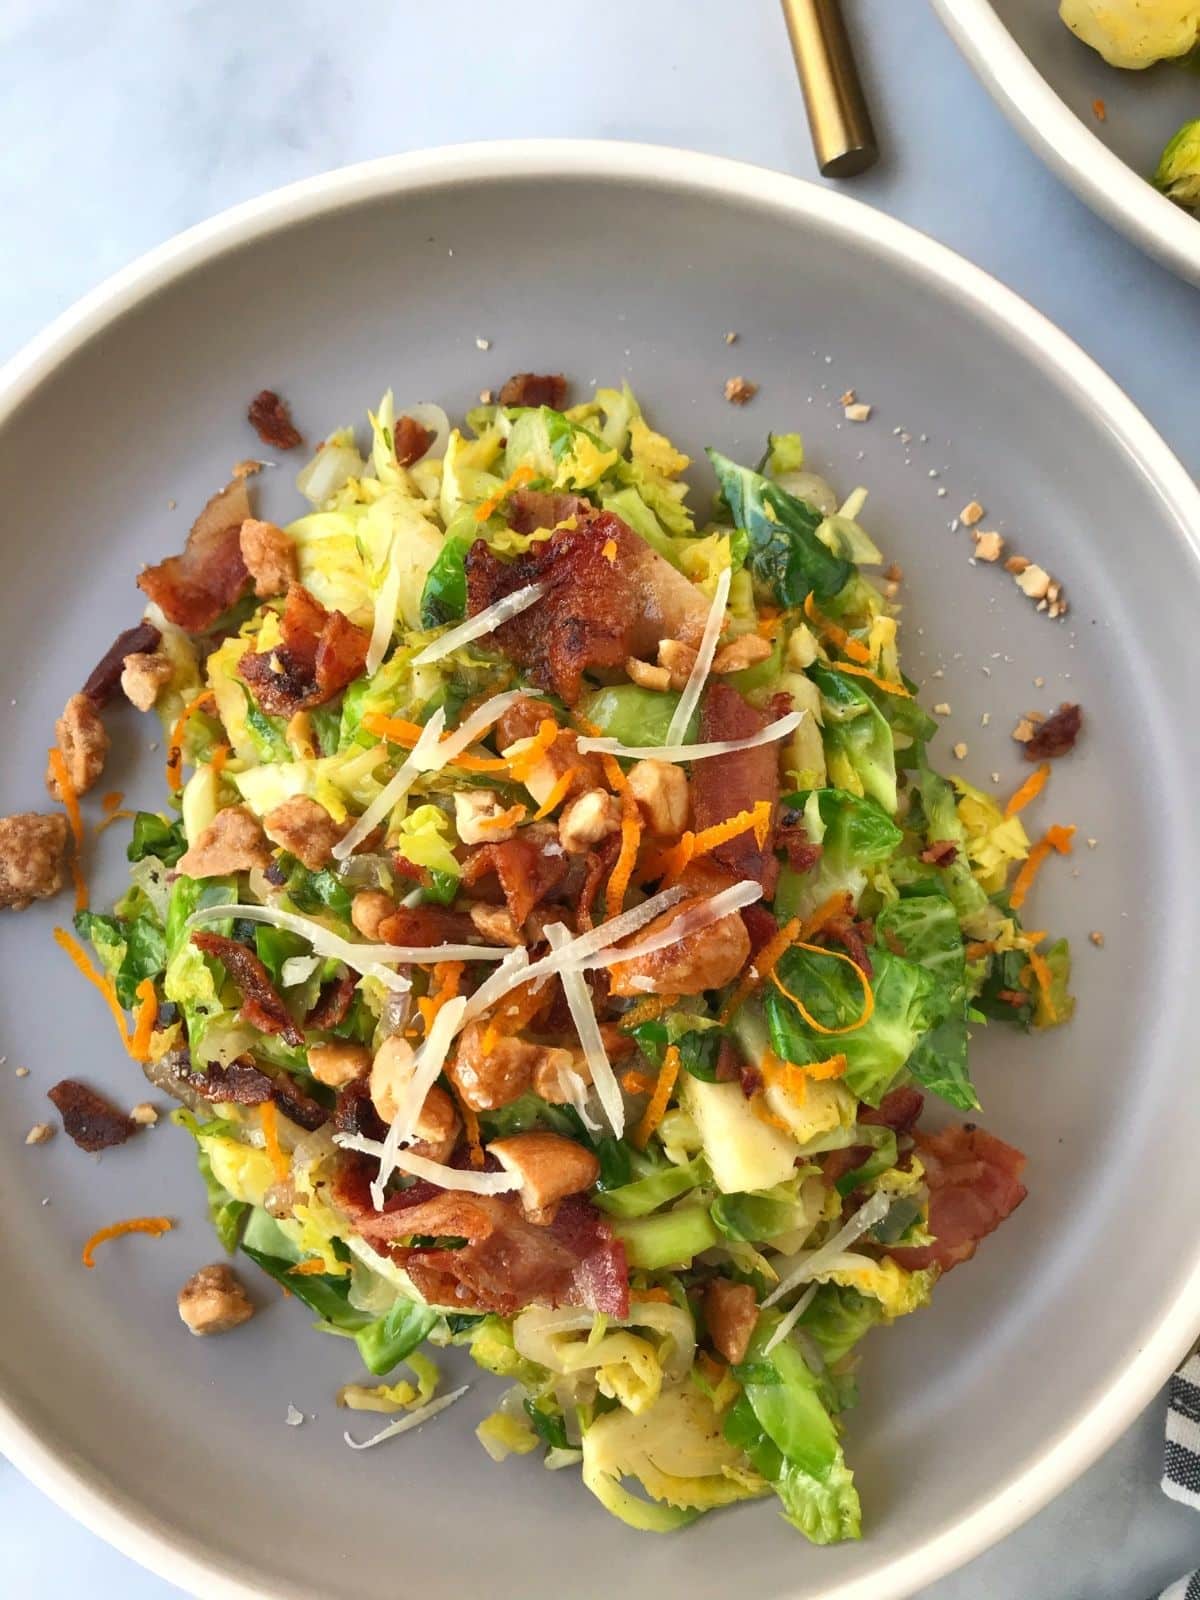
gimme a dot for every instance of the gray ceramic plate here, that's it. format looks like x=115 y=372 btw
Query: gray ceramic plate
x=1046 y=81
x=617 y=261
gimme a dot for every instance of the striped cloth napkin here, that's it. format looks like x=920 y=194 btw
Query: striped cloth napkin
x=1181 y=1458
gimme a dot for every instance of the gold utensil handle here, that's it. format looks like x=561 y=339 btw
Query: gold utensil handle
x=842 y=135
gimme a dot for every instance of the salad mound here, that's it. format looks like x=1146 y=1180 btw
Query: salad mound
x=554 y=929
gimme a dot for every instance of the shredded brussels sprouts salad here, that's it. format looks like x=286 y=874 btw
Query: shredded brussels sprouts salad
x=552 y=930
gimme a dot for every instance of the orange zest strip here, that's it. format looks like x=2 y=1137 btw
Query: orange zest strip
x=671 y=863
x=508 y=818
x=117 y=1230
x=110 y=801
x=654 y=1296
x=396 y=730
x=609 y=552
x=635 y=1082
x=444 y=981
x=819 y=1027
x=646 y=1010
x=521 y=1007
x=832 y=631
x=1029 y=790
x=268 y=1116
x=880 y=683
x=113 y=816
x=1045 y=979
x=175 y=743
x=147 y=1016
x=523 y=474
x=557 y=795
x=831 y=1067
x=1055 y=838
x=978 y=948
x=761 y=967
x=838 y=905
x=70 y=801
x=523 y=762
x=219 y=757
x=101 y=981
x=631 y=837
x=655 y=1111
x=307 y=1269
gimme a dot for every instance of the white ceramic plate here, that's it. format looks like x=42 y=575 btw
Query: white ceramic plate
x=610 y=261
x=1045 y=81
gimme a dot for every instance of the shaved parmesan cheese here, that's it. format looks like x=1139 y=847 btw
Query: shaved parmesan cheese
x=694 y=752
x=810 y=1262
x=430 y=754
x=298 y=969
x=369 y=959
x=692 y=690
x=427 y=1064
x=579 y=1002
x=790 y=1318
x=393 y=792
x=483 y=622
x=386 y=602
x=465 y=1180
x=693 y=919
x=414 y=1419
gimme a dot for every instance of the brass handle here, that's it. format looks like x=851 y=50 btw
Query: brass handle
x=842 y=135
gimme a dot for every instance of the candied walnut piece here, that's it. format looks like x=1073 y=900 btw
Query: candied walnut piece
x=731 y=1311
x=1056 y=736
x=304 y=827
x=269 y=417
x=83 y=743
x=143 y=674
x=588 y=819
x=740 y=391
x=488 y=1078
x=437 y=1127
x=88 y=1118
x=214 y=1300
x=549 y=1167
x=368 y=909
x=338 y=1063
x=105 y=677
x=535 y=389
x=270 y=557
x=232 y=842
x=661 y=791
x=32 y=855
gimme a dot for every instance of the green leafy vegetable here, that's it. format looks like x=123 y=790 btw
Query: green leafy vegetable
x=859 y=752
x=444 y=597
x=155 y=836
x=644 y=1195
x=635 y=716
x=785 y=558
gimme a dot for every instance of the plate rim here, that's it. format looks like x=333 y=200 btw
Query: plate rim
x=84 y=1493
x=1066 y=144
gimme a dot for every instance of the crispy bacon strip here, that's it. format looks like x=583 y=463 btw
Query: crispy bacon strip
x=531 y=509
x=974 y=1183
x=321 y=652
x=507 y=1262
x=898 y=1110
x=195 y=587
x=269 y=417
x=105 y=677
x=427 y=925
x=526 y=874
x=940 y=853
x=262 y=1006
x=333 y=1002
x=598 y=609
x=1057 y=735
x=242 y=1083
x=725 y=785
x=535 y=389
x=88 y=1118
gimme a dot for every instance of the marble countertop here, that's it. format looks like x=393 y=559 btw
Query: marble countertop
x=123 y=124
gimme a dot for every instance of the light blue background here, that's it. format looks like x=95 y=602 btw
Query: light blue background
x=124 y=121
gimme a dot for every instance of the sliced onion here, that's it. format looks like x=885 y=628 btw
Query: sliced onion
x=329 y=470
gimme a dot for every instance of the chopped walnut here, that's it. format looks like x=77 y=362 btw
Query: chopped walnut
x=270 y=557
x=232 y=842
x=988 y=546
x=390 y=1072
x=587 y=819
x=1023 y=732
x=305 y=828
x=338 y=1063
x=475 y=811
x=40 y=1133
x=1033 y=581
x=143 y=674
x=83 y=741
x=32 y=856
x=960 y=751
x=496 y=924
x=747 y=650
x=848 y=398
x=144 y=1114
x=740 y=391
x=942 y=709
x=549 y=1077
x=731 y=1311
x=1016 y=564
x=214 y=1301
x=437 y=1127
x=970 y=514
x=550 y=1168
x=646 y=676
x=857 y=412
x=661 y=791
x=488 y=1078
x=1097 y=938
x=678 y=658
x=368 y=909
